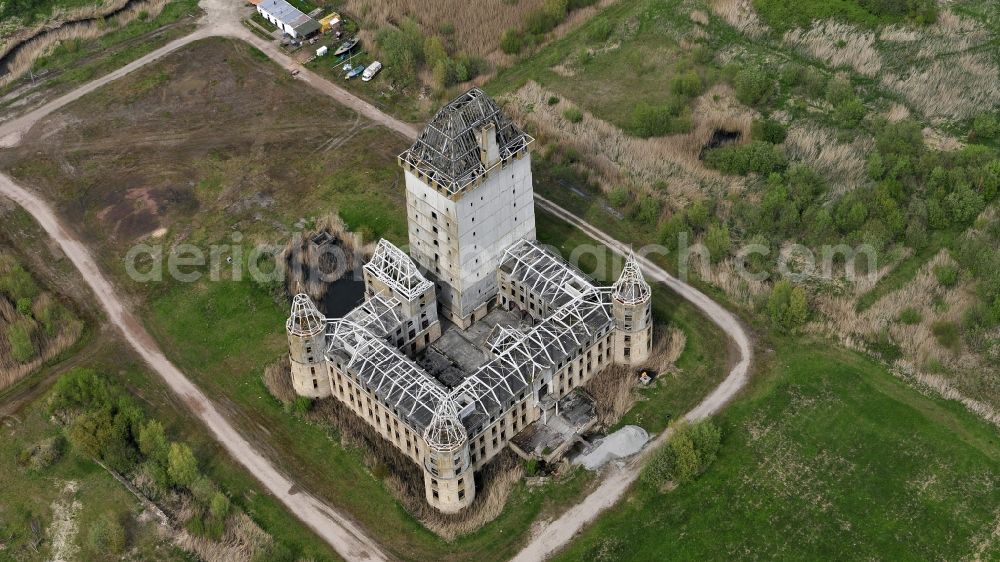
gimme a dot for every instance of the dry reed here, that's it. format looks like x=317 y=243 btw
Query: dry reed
x=843 y=165
x=741 y=15
x=612 y=392
x=278 y=380
x=242 y=541
x=13 y=33
x=956 y=87
x=48 y=346
x=30 y=50
x=839 y=44
x=310 y=268
x=617 y=158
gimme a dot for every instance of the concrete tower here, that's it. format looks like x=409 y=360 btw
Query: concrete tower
x=449 y=481
x=306 y=329
x=468 y=198
x=631 y=303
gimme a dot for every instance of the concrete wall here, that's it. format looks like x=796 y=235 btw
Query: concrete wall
x=306 y=355
x=459 y=241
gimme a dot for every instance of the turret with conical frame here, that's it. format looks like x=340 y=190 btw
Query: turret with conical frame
x=449 y=481
x=631 y=303
x=306 y=328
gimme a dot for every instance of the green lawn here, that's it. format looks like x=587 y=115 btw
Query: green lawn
x=829 y=457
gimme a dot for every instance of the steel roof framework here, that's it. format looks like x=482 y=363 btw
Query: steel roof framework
x=394 y=268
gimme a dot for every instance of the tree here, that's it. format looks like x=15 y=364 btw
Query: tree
x=686 y=463
x=752 y=85
x=718 y=242
x=153 y=442
x=106 y=537
x=787 y=306
x=219 y=506
x=182 y=466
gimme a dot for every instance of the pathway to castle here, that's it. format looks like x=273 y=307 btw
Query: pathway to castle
x=222 y=17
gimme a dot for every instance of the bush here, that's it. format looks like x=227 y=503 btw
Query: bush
x=302 y=405
x=553 y=100
x=219 y=506
x=947 y=275
x=654 y=121
x=43 y=454
x=106 y=536
x=619 y=197
x=512 y=42
x=947 y=334
x=600 y=30
x=688 y=453
x=153 y=442
x=849 y=114
x=985 y=127
x=910 y=316
x=573 y=115
x=787 y=306
x=756 y=157
x=22 y=347
x=648 y=211
x=768 y=130
x=687 y=84
x=181 y=465
x=531 y=467
x=718 y=242
x=752 y=86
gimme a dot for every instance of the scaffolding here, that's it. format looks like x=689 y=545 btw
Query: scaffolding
x=445 y=433
x=448 y=151
x=631 y=287
x=377 y=315
x=393 y=267
x=305 y=321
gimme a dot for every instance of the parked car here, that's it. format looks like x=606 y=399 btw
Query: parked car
x=371 y=71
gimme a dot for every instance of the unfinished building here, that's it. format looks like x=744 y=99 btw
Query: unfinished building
x=520 y=328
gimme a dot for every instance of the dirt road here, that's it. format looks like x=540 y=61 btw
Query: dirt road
x=343 y=535
x=549 y=538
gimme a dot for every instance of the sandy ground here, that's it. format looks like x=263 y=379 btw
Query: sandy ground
x=623 y=443
x=222 y=17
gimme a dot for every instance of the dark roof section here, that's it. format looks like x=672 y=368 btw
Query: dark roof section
x=447 y=152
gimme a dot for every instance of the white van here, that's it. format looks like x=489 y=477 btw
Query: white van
x=371 y=71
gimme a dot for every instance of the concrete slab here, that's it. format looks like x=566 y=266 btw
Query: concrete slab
x=625 y=442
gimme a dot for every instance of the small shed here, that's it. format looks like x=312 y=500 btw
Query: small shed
x=328 y=21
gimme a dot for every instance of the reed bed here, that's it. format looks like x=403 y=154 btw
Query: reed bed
x=843 y=165
x=741 y=15
x=957 y=87
x=242 y=541
x=310 y=269
x=48 y=346
x=21 y=61
x=617 y=158
x=13 y=32
x=278 y=380
x=839 y=45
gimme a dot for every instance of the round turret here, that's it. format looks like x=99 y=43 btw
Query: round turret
x=306 y=329
x=631 y=304
x=448 y=476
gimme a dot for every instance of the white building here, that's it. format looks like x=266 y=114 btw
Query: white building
x=525 y=329
x=288 y=18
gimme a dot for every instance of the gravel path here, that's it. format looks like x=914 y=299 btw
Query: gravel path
x=222 y=18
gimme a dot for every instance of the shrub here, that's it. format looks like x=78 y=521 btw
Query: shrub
x=787 y=306
x=16 y=282
x=219 y=506
x=44 y=453
x=910 y=316
x=752 y=85
x=153 y=442
x=768 y=130
x=985 y=127
x=849 y=114
x=687 y=84
x=600 y=30
x=698 y=213
x=553 y=100
x=947 y=275
x=181 y=465
x=573 y=115
x=531 y=467
x=648 y=211
x=718 y=242
x=688 y=453
x=512 y=42
x=653 y=121
x=756 y=157
x=947 y=334
x=619 y=197
x=22 y=348
x=106 y=536
x=301 y=405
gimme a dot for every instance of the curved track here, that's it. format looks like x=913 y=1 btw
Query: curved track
x=222 y=18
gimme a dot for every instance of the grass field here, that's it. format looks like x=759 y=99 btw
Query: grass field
x=828 y=456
